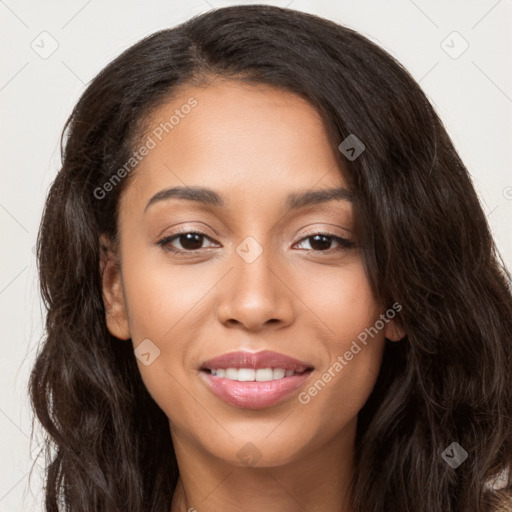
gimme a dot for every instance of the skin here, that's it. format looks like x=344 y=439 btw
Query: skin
x=254 y=145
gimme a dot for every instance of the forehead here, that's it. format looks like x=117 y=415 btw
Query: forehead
x=243 y=139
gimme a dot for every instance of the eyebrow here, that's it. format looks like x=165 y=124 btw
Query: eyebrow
x=209 y=197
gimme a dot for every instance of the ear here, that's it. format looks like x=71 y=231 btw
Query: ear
x=112 y=287
x=393 y=332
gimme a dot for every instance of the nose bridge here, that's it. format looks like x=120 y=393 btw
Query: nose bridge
x=256 y=293
x=253 y=268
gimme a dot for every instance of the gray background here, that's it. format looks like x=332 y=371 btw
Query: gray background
x=471 y=90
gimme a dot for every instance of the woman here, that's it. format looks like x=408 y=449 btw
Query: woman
x=270 y=285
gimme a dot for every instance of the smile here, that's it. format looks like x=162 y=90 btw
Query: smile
x=254 y=380
x=250 y=374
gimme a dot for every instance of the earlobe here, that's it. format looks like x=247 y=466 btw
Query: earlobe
x=393 y=332
x=116 y=315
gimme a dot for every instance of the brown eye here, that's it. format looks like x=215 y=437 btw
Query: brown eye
x=188 y=240
x=321 y=242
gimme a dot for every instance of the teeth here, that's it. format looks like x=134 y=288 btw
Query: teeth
x=231 y=373
x=250 y=374
x=279 y=373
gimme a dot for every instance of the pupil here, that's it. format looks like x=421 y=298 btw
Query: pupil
x=192 y=241
x=325 y=245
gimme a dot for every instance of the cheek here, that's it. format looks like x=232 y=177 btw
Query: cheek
x=354 y=346
x=158 y=297
x=342 y=299
x=161 y=297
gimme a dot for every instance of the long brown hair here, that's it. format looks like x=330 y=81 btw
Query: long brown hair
x=426 y=244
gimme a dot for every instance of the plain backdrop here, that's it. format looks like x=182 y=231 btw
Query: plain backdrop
x=458 y=50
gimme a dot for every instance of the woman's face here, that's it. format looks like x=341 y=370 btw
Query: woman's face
x=255 y=278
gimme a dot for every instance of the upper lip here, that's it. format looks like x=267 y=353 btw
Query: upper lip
x=256 y=360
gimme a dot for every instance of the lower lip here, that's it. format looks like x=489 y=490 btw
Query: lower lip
x=254 y=395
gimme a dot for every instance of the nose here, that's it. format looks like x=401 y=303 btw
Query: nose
x=256 y=295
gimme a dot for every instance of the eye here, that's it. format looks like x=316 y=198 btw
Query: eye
x=321 y=242
x=190 y=241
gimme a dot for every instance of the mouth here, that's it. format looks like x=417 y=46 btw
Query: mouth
x=252 y=374
x=254 y=380
x=263 y=360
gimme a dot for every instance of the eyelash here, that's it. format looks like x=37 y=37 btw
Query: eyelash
x=165 y=242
